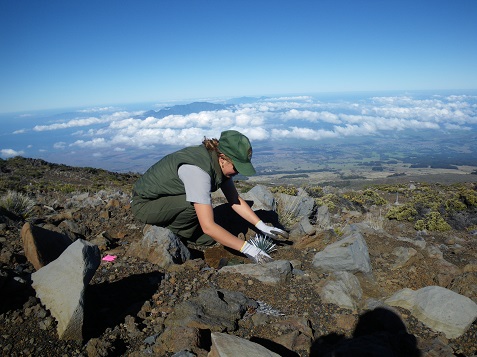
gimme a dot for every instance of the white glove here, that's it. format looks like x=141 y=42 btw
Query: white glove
x=272 y=232
x=255 y=254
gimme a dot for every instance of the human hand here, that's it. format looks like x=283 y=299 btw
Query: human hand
x=255 y=254
x=271 y=231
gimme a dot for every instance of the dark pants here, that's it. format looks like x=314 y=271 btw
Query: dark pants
x=174 y=213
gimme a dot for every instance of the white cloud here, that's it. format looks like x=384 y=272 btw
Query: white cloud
x=254 y=133
x=68 y=124
x=79 y=122
x=311 y=116
x=449 y=126
x=59 y=145
x=438 y=110
x=461 y=97
x=6 y=153
x=354 y=130
x=302 y=133
x=306 y=98
x=97 y=110
x=91 y=144
x=281 y=118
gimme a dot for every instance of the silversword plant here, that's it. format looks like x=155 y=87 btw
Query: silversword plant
x=17 y=203
x=264 y=243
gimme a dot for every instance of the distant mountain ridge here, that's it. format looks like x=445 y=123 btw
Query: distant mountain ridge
x=184 y=109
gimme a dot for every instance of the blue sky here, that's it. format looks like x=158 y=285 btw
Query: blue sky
x=63 y=54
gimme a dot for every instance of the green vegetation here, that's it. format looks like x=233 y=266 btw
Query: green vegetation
x=468 y=196
x=331 y=200
x=432 y=207
x=294 y=176
x=34 y=175
x=403 y=213
x=314 y=191
x=429 y=206
x=367 y=197
x=433 y=221
x=288 y=190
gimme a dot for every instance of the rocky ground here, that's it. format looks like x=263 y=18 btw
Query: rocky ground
x=129 y=299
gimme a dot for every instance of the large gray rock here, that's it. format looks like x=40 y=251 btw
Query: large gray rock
x=61 y=285
x=179 y=339
x=294 y=207
x=215 y=310
x=275 y=272
x=301 y=228
x=441 y=309
x=348 y=254
x=42 y=246
x=323 y=218
x=342 y=289
x=262 y=198
x=224 y=345
x=159 y=246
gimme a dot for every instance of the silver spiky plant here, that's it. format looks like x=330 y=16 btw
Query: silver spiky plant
x=263 y=242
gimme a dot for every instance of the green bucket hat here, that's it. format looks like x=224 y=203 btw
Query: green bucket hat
x=236 y=146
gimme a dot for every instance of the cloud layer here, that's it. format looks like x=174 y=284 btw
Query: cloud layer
x=305 y=118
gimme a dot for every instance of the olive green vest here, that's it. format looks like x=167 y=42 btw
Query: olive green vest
x=162 y=179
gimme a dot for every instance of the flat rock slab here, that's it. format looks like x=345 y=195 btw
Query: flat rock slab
x=439 y=308
x=275 y=272
x=348 y=254
x=61 y=284
x=224 y=345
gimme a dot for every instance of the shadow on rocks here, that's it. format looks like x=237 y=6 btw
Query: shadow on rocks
x=14 y=293
x=274 y=347
x=235 y=224
x=379 y=332
x=107 y=304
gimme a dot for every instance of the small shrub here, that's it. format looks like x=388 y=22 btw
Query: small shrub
x=468 y=196
x=314 y=191
x=402 y=213
x=454 y=204
x=330 y=200
x=338 y=231
x=367 y=197
x=66 y=188
x=17 y=203
x=430 y=200
x=288 y=190
x=433 y=221
x=420 y=225
x=471 y=228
